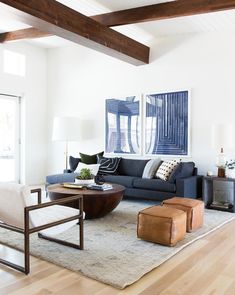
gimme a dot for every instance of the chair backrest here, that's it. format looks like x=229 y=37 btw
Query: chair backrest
x=13 y=198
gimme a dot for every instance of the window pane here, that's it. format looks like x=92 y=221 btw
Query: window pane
x=14 y=63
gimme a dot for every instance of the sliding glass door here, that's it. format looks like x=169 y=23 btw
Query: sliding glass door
x=9 y=138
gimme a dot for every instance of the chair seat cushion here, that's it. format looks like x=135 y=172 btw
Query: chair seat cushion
x=51 y=214
x=154 y=184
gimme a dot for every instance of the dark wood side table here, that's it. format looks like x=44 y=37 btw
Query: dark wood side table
x=219 y=193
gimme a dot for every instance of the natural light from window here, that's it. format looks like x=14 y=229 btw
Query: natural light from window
x=13 y=63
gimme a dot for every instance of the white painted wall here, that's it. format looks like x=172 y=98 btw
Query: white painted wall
x=79 y=81
x=34 y=89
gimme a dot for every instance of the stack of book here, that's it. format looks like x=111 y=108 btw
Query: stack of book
x=100 y=187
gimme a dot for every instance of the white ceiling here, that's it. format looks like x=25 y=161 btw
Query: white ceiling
x=144 y=32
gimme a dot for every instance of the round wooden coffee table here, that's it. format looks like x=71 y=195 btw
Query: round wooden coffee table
x=95 y=203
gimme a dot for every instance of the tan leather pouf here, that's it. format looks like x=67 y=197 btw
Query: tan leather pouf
x=161 y=225
x=193 y=208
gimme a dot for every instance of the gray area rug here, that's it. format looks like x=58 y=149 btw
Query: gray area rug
x=113 y=254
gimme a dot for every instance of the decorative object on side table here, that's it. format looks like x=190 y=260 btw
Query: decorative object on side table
x=222 y=137
x=230 y=168
x=221 y=163
x=85 y=177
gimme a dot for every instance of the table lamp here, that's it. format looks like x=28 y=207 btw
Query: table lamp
x=222 y=137
x=66 y=129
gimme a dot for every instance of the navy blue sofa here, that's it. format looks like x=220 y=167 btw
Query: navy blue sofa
x=184 y=183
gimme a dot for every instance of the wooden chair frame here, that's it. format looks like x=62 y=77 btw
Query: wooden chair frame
x=27 y=230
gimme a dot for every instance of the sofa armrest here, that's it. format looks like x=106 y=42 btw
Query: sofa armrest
x=60 y=178
x=67 y=171
x=190 y=187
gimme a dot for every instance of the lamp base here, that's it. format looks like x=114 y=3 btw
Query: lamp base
x=221 y=172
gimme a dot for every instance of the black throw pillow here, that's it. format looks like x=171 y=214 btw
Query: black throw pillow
x=182 y=170
x=90 y=159
x=73 y=163
x=108 y=165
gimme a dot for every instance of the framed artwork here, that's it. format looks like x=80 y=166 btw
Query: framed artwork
x=167 y=123
x=123 y=125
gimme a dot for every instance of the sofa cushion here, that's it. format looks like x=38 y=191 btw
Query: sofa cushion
x=90 y=159
x=108 y=165
x=126 y=181
x=73 y=163
x=131 y=167
x=166 y=168
x=183 y=170
x=154 y=184
x=151 y=168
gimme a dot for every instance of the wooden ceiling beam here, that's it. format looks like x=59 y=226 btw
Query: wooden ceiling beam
x=57 y=19
x=162 y=11
x=140 y=14
x=29 y=33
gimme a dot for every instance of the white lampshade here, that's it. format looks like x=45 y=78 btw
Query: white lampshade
x=66 y=129
x=223 y=136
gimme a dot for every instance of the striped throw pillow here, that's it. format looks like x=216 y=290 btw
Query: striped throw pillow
x=108 y=165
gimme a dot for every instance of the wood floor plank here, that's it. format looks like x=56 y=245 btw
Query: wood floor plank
x=219 y=286
x=43 y=283
x=82 y=287
x=43 y=292
x=30 y=280
x=231 y=289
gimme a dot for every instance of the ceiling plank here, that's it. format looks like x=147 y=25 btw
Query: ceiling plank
x=29 y=33
x=162 y=11
x=55 y=18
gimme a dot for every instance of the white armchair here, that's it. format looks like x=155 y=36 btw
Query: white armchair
x=19 y=213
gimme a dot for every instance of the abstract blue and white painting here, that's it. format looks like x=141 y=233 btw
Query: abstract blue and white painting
x=123 y=125
x=167 y=123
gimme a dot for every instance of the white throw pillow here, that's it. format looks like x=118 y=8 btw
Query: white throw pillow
x=166 y=168
x=151 y=168
x=93 y=167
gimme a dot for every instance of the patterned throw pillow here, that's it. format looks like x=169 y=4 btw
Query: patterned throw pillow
x=108 y=165
x=166 y=168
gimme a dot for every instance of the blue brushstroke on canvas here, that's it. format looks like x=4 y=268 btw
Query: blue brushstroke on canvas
x=167 y=123
x=122 y=126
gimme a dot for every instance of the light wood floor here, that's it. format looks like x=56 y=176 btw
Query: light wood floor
x=207 y=267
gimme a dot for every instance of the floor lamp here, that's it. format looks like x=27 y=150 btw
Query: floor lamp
x=66 y=129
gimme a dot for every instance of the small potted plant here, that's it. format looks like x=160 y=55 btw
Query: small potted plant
x=230 y=168
x=85 y=177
